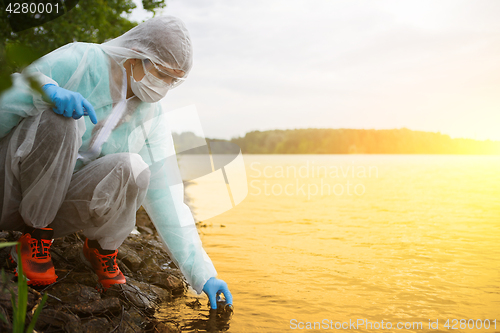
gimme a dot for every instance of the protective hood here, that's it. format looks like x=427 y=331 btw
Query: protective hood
x=165 y=40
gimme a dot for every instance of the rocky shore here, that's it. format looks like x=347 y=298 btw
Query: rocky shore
x=76 y=305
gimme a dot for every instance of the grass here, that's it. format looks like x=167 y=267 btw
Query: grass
x=20 y=306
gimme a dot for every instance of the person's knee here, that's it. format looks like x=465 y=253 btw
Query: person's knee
x=56 y=126
x=138 y=170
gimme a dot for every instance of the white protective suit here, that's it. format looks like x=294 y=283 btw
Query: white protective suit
x=126 y=130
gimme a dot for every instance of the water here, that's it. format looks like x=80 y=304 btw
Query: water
x=401 y=239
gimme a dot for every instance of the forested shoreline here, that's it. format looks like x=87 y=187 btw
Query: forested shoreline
x=351 y=141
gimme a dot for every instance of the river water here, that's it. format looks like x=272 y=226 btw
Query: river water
x=338 y=239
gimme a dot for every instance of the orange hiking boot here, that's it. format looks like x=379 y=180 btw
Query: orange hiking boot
x=103 y=262
x=35 y=256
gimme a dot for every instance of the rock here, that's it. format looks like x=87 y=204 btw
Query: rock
x=195 y=305
x=136 y=317
x=74 y=293
x=126 y=324
x=96 y=325
x=5 y=257
x=50 y=318
x=72 y=252
x=129 y=257
x=15 y=235
x=155 y=293
x=169 y=267
x=5 y=298
x=132 y=295
x=155 y=244
x=88 y=279
x=5 y=327
x=167 y=281
x=110 y=304
x=167 y=327
x=133 y=238
x=142 y=295
x=150 y=264
x=145 y=230
x=142 y=218
x=124 y=268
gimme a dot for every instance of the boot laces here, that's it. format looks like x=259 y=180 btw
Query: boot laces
x=40 y=248
x=109 y=263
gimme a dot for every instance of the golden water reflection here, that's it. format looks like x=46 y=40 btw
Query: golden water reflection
x=419 y=240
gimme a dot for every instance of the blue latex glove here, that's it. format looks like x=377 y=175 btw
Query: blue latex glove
x=69 y=103
x=213 y=287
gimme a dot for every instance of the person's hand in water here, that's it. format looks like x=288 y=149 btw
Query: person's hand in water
x=213 y=288
x=69 y=103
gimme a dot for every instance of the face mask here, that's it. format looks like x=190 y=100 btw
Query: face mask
x=147 y=89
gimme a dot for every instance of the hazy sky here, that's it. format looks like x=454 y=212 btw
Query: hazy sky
x=424 y=65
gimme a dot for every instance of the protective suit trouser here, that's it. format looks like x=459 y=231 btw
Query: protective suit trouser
x=38 y=187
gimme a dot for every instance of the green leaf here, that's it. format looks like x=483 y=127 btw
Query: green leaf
x=35 y=85
x=5 y=81
x=19 y=55
x=7 y=244
x=19 y=308
x=152 y=5
x=15 y=317
x=22 y=291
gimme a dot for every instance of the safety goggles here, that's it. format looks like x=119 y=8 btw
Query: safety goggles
x=159 y=76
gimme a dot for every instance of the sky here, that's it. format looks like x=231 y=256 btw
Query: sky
x=285 y=64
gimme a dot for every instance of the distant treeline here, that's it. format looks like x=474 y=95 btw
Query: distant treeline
x=353 y=141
